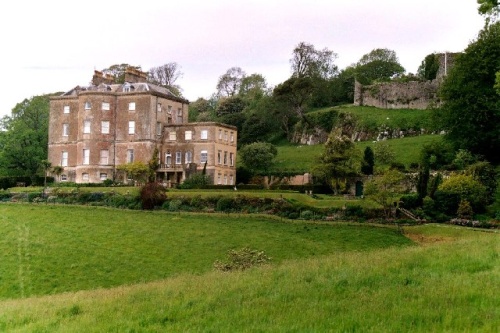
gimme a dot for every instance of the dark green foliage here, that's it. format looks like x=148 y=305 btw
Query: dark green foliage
x=429 y=68
x=484 y=173
x=368 y=161
x=471 y=110
x=460 y=187
x=153 y=195
x=225 y=204
x=377 y=66
x=410 y=201
x=198 y=180
x=258 y=156
x=24 y=142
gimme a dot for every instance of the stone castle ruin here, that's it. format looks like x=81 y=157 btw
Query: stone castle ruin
x=405 y=95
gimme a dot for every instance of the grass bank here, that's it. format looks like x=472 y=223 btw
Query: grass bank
x=50 y=249
x=447 y=284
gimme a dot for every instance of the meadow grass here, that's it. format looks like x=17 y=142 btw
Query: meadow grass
x=448 y=284
x=301 y=158
x=49 y=249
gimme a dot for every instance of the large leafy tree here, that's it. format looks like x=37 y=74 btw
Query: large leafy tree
x=258 y=156
x=489 y=8
x=471 y=109
x=338 y=162
x=378 y=65
x=307 y=61
x=25 y=138
x=429 y=67
x=295 y=93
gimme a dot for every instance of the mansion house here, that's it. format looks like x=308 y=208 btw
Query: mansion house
x=94 y=129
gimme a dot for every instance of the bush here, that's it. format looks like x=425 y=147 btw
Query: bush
x=460 y=187
x=153 y=195
x=307 y=215
x=225 y=204
x=411 y=201
x=241 y=260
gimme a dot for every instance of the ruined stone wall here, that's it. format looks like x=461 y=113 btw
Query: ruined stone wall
x=398 y=95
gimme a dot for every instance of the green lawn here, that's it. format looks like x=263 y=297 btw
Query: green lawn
x=447 y=284
x=301 y=158
x=46 y=249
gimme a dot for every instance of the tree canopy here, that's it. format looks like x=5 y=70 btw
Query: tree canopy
x=24 y=142
x=378 y=65
x=471 y=109
x=307 y=61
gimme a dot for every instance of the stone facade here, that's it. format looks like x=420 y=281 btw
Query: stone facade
x=94 y=129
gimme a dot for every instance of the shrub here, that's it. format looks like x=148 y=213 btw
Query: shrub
x=460 y=187
x=307 y=215
x=464 y=210
x=241 y=260
x=153 y=195
x=411 y=201
x=225 y=204
x=174 y=205
x=353 y=211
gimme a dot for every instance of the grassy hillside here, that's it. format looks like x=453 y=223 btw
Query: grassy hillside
x=447 y=284
x=47 y=249
x=300 y=158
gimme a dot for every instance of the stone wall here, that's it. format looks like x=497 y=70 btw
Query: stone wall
x=405 y=95
x=398 y=95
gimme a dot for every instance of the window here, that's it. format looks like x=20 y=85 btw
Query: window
x=130 y=155
x=86 y=156
x=204 y=156
x=103 y=176
x=86 y=126
x=189 y=157
x=219 y=157
x=219 y=181
x=64 y=178
x=172 y=136
x=158 y=128
x=105 y=127
x=65 y=130
x=178 y=157
x=231 y=159
x=231 y=180
x=88 y=106
x=85 y=177
x=168 y=158
x=104 y=157
x=220 y=134
x=225 y=158
x=204 y=134
x=126 y=87
x=179 y=116
x=169 y=109
x=225 y=135
x=105 y=106
x=225 y=179
x=231 y=137
x=64 y=158
x=131 y=106
x=158 y=107
x=131 y=127
x=66 y=109
x=188 y=135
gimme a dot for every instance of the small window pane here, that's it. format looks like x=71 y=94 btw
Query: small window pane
x=105 y=127
x=131 y=127
x=131 y=106
x=204 y=135
x=105 y=106
x=66 y=109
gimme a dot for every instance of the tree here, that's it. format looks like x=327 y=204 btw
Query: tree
x=384 y=189
x=378 y=65
x=384 y=154
x=253 y=87
x=338 y=162
x=166 y=76
x=295 y=93
x=429 y=67
x=229 y=83
x=136 y=171
x=258 y=156
x=153 y=165
x=25 y=137
x=306 y=61
x=368 y=161
x=471 y=108
x=460 y=187
x=118 y=71
x=489 y=8
x=230 y=105
x=153 y=195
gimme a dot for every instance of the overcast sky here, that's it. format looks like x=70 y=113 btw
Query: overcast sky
x=50 y=46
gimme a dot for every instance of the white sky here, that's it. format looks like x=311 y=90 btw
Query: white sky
x=49 y=46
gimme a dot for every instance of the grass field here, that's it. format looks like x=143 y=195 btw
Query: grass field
x=448 y=283
x=48 y=249
x=301 y=158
